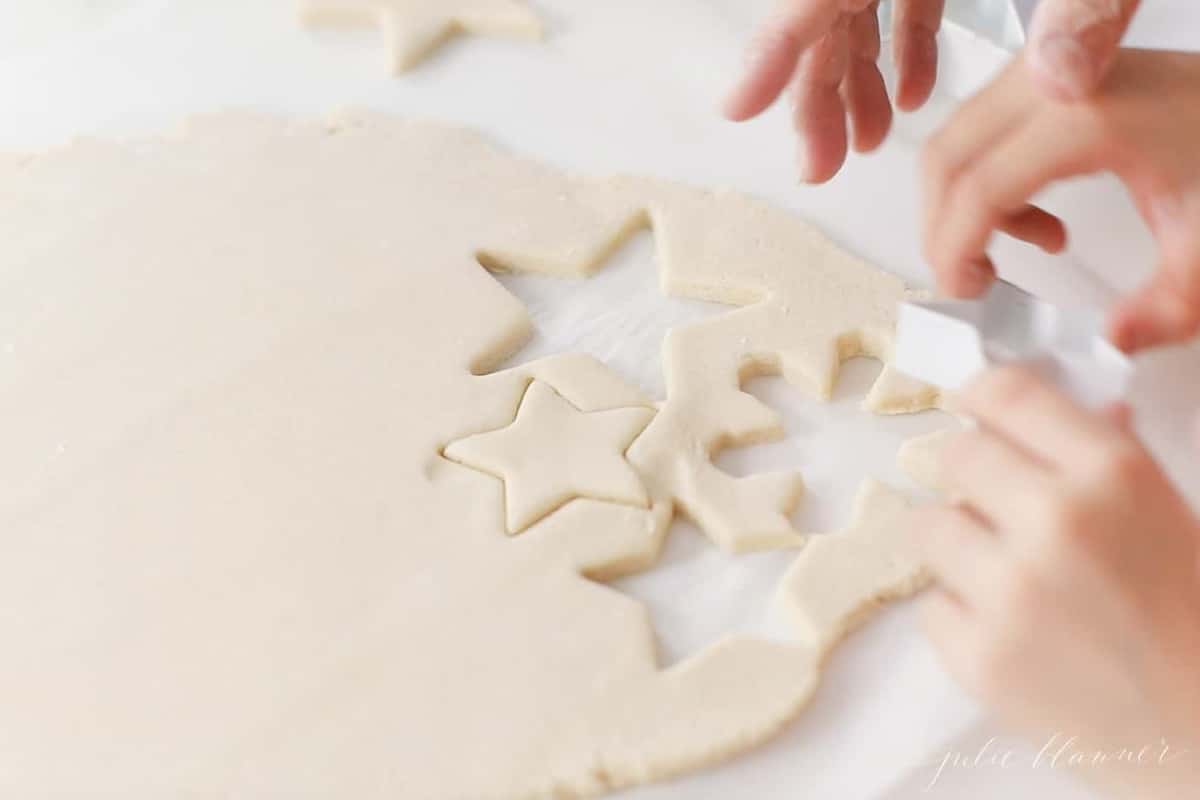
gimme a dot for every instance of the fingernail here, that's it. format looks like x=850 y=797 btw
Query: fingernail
x=730 y=104
x=980 y=275
x=1168 y=215
x=1137 y=338
x=803 y=164
x=752 y=55
x=1065 y=62
x=1121 y=332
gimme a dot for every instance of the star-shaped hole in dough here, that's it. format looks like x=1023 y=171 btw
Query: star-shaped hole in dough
x=414 y=29
x=840 y=579
x=553 y=453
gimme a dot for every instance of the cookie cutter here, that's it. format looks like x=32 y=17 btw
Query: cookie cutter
x=948 y=342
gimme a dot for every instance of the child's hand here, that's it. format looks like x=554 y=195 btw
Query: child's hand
x=828 y=49
x=1069 y=571
x=1009 y=142
x=1072 y=43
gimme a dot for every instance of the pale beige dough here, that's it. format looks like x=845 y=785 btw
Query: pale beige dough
x=921 y=458
x=236 y=563
x=843 y=577
x=553 y=453
x=413 y=29
x=808 y=306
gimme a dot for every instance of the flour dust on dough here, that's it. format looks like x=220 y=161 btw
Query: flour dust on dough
x=236 y=562
x=413 y=29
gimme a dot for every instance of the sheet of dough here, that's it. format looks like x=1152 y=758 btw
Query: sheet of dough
x=235 y=562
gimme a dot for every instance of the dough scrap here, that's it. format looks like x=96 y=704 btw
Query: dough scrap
x=236 y=562
x=807 y=306
x=897 y=393
x=841 y=579
x=920 y=458
x=413 y=29
x=553 y=453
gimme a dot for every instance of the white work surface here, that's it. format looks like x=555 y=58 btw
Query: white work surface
x=633 y=86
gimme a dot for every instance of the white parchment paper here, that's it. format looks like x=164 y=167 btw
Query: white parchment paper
x=623 y=86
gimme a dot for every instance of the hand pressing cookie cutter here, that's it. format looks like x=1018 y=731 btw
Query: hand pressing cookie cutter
x=948 y=342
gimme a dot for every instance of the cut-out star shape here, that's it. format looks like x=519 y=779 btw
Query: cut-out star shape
x=413 y=29
x=553 y=453
x=617 y=334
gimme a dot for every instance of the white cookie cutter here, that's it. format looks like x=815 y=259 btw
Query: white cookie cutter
x=948 y=342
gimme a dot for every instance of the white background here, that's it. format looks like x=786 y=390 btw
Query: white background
x=632 y=86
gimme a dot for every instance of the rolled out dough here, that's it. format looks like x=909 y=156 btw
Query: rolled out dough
x=236 y=562
x=413 y=29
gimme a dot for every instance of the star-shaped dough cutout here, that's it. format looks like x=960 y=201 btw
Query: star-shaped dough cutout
x=553 y=453
x=415 y=28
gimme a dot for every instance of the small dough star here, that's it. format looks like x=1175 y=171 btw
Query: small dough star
x=415 y=28
x=553 y=453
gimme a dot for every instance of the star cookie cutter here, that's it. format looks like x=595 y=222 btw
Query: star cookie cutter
x=947 y=342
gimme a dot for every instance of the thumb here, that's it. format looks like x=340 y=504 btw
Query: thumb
x=1073 y=42
x=1165 y=311
x=1120 y=416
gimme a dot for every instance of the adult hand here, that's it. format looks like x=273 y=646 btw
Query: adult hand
x=1068 y=574
x=1011 y=141
x=828 y=50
